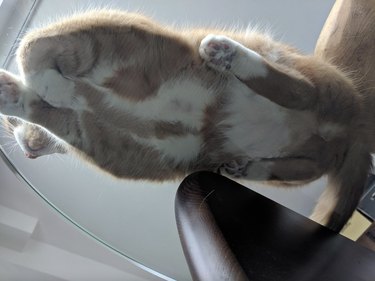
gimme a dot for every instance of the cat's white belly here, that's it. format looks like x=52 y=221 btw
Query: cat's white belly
x=257 y=127
x=182 y=100
x=179 y=149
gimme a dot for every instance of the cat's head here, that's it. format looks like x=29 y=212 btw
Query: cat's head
x=34 y=140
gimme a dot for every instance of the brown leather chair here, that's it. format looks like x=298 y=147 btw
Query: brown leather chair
x=229 y=232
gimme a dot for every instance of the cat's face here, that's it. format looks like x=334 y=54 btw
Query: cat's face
x=34 y=140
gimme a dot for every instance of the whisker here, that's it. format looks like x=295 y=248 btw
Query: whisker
x=12 y=149
x=7 y=137
x=9 y=142
x=59 y=157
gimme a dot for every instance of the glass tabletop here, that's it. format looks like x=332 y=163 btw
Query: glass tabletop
x=136 y=218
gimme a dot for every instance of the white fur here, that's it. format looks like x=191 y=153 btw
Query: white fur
x=55 y=89
x=257 y=127
x=182 y=149
x=101 y=72
x=248 y=63
x=20 y=137
x=192 y=99
x=106 y=69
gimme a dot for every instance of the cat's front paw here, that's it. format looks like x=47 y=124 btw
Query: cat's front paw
x=218 y=51
x=10 y=92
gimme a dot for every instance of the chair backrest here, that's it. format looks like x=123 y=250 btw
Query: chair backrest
x=229 y=232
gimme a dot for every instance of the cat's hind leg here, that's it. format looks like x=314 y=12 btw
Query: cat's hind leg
x=282 y=170
x=341 y=196
x=266 y=79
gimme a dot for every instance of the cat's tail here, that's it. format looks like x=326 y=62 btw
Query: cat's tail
x=345 y=187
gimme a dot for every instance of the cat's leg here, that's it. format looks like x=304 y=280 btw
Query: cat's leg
x=281 y=87
x=50 y=65
x=18 y=100
x=283 y=170
x=342 y=194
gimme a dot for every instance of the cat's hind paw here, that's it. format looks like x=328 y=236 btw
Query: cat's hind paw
x=235 y=168
x=218 y=51
x=222 y=53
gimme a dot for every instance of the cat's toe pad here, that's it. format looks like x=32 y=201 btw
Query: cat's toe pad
x=218 y=51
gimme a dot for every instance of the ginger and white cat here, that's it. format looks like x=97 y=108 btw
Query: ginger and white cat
x=145 y=101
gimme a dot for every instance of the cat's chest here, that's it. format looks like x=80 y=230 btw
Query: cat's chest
x=182 y=100
x=169 y=121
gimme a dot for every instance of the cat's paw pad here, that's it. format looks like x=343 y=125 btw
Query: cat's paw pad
x=218 y=51
x=9 y=90
x=235 y=168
